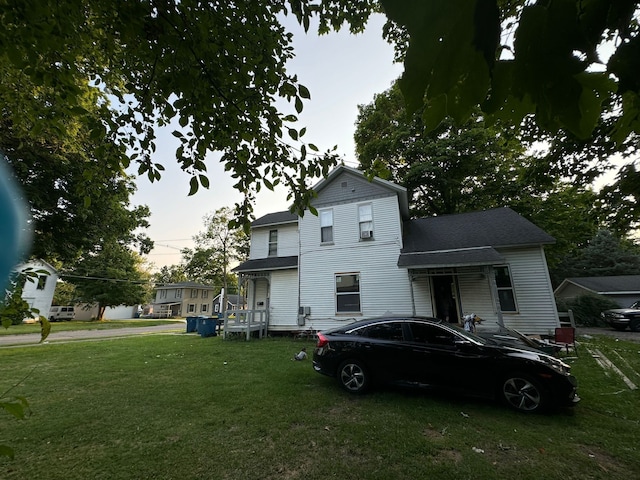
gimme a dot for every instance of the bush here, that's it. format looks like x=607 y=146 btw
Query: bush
x=586 y=308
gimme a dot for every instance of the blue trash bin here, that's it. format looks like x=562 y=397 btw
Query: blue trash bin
x=207 y=327
x=192 y=324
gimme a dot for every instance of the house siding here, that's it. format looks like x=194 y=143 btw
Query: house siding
x=350 y=188
x=422 y=296
x=283 y=301
x=537 y=313
x=383 y=287
x=39 y=299
x=287 y=241
x=475 y=297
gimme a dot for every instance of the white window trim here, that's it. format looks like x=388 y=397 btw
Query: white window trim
x=509 y=288
x=335 y=286
x=321 y=213
x=365 y=233
x=274 y=243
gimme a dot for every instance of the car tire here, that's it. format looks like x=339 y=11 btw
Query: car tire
x=523 y=393
x=634 y=324
x=353 y=376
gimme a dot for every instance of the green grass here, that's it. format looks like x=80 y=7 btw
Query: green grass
x=81 y=325
x=185 y=407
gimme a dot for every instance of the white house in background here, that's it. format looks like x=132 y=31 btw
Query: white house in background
x=38 y=293
x=182 y=300
x=362 y=256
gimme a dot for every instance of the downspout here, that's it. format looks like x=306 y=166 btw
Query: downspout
x=413 y=298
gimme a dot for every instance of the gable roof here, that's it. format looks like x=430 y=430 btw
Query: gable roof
x=398 y=190
x=467 y=238
x=615 y=284
x=277 y=218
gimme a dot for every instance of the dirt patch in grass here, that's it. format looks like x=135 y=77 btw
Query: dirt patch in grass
x=605 y=462
x=446 y=457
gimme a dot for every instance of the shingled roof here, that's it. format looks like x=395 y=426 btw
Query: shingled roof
x=269 y=263
x=608 y=284
x=276 y=218
x=467 y=238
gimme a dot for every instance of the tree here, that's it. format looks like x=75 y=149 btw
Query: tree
x=605 y=254
x=76 y=193
x=515 y=58
x=170 y=274
x=110 y=277
x=216 y=247
x=449 y=170
x=155 y=63
x=13 y=309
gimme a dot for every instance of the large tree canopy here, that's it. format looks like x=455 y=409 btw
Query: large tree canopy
x=213 y=71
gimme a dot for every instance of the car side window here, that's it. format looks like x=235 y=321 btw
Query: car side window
x=432 y=335
x=383 y=331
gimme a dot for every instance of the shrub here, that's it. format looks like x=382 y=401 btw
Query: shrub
x=586 y=308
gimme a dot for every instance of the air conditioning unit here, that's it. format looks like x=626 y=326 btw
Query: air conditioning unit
x=366 y=234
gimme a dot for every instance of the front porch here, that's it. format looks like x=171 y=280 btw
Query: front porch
x=246 y=321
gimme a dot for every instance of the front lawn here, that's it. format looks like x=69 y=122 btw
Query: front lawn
x=185 y=407
x=82 y=325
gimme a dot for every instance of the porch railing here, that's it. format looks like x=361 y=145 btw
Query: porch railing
x=246 y=321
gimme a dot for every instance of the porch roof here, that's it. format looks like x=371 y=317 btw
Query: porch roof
x=270 y=263
x=451 y=258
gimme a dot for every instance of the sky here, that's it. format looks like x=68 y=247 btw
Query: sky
x=341 y=71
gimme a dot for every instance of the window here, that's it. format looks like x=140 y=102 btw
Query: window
x=191 y=308
x=178 y=293
x=204 y=308
x=383 y=331
x=205 y=294
x=326 y=226
x=42 y=281
x=273 y=243
x=506 y=294
x=163 y=294
x=365 y=219
x=431 y=334
x=194 y=293
x=348 y=293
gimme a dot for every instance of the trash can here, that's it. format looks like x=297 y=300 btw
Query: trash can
x=207 y=327
x=192 y=324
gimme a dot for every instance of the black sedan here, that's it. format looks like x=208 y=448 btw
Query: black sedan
x=425 y=352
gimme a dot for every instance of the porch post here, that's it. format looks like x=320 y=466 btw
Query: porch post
x=494 y=293
x=413 y=298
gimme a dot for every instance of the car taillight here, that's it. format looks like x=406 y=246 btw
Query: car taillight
x=322 y=341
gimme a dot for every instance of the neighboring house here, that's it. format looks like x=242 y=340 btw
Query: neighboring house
x=622 y=289
x=234 y=302
x=182 y=300
x=362 y=256
x=39 y=292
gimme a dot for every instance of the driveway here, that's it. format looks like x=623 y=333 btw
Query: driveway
x=34 y=338
x=626 y=335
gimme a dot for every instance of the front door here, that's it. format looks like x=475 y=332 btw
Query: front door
x=446 y=298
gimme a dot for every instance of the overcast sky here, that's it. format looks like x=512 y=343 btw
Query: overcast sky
x=341 y=70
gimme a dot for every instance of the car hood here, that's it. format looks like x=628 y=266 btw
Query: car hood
x=622 y=311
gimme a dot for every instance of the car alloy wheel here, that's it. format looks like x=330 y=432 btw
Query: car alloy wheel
x=523 y=394
x=353 y=376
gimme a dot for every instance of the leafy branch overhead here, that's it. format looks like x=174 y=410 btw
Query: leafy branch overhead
x=516 y=57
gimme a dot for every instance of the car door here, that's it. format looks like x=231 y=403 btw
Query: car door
x=385 y=350
x=442 y=358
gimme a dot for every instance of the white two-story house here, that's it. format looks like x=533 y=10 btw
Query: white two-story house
x=362 y=256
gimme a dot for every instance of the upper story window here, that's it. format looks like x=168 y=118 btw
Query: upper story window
x=163 y=294
x=506 y=294
x=326 y=226
x=178 y=293
x=273 y=243
x=194 y=293
x=365 y=219
x=205 y=294
x=42 y=281
x=347 y=293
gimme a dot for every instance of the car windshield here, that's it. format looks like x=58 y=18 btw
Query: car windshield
x=468 y=335
x=635 y=305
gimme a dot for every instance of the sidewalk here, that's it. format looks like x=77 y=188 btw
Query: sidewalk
x=55 y=337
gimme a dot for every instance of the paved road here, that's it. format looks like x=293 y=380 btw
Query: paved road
x=34 y=338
